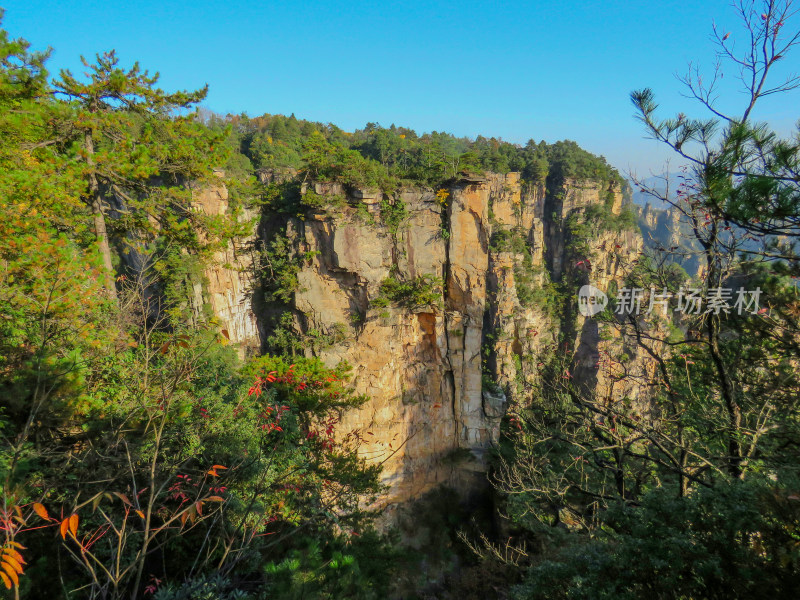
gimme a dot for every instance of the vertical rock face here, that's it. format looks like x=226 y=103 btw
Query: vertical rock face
x=439 y=375
x=230 y=275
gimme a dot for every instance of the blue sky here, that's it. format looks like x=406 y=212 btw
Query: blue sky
x=542 y=70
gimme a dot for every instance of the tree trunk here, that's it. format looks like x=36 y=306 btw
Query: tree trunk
x=96 y=203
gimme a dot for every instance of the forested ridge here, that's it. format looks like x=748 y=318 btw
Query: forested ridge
x=143 y=455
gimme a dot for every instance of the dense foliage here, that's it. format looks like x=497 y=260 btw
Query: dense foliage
x=382 y=157
x=685 y=487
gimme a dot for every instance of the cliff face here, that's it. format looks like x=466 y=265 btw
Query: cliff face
x=230 y=279
x=438 y=375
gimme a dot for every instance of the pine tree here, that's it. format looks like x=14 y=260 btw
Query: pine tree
x=139 y=147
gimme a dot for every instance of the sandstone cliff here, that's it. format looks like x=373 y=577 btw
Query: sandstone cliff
x=438 y=375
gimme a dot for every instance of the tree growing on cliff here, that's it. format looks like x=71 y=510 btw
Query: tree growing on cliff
x=138 y=148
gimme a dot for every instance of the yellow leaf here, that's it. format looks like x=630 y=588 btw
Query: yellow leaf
x=40 y=510
x=73 y=524
x=140 y=513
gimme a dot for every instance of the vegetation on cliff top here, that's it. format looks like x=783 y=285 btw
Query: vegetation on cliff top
x=383 y=157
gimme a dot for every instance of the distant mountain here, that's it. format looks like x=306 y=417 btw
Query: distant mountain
x=666 y=230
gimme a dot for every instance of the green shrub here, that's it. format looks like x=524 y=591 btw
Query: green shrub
x=425 y=290
x=737 y=540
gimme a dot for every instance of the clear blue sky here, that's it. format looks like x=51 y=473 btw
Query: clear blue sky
x=543 y=70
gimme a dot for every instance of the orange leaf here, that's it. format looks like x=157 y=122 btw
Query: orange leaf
x=6 y=580
x=73 y=524
x=40 y=510
x=17 y=545
x=213 y=473
x=215 y=499
x=199 y=506
x=63 y=528
x=140 y=513
x=10 y=560
x=15 y=554
x=183 y=518
x=218 y=467
x=12 y=574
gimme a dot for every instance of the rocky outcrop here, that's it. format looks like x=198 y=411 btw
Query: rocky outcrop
x=229 y=276
x=438 y=375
